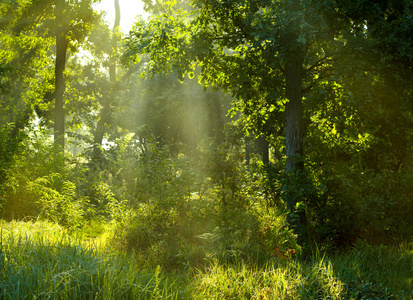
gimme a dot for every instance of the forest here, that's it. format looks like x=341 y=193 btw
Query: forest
x=219 y=149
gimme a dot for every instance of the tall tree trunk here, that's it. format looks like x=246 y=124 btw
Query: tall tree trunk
x=247 y=151
x=296 y=218
x=105 y=114
x=61 y=48
x=114 y=43
x=293 y=139
x=263 y=145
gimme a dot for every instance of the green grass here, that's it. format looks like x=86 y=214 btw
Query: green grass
x=379 y=275
x=43 y=261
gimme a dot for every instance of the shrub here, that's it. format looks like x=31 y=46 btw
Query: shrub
x=42 y=182
x=9 y=147
x=179 y=219
x=57 y=205
x=363 y=204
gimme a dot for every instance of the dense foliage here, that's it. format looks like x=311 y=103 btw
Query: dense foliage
x=225 y=136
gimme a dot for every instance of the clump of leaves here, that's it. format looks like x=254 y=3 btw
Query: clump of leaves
x=44 y=183
x=58 y=205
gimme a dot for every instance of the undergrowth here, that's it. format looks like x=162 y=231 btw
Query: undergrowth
x=41 y=260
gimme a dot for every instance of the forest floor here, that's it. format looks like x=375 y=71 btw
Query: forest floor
x=40 y=260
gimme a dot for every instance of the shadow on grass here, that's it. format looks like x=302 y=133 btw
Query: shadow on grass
x=379 y=272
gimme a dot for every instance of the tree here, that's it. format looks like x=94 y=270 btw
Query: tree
x=281 y=58
x=382 y=53
x=262 y=52
x=24 y=80
x=107 y=100
x=68 y=22
x=74 y=20
x=60 y=63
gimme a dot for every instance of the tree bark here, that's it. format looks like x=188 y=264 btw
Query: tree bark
x=247 y=151
x=61 y=47
x=293 y=139
x=264 y=149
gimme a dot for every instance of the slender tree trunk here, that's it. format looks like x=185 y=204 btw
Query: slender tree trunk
x=114 y=42
x=105 y=114
x=247 y=151
x=61 y=47
x=264 y=149
x=293 y=139
x=293 y=116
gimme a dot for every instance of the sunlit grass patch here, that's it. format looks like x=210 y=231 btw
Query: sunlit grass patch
x=278 y=280
x=386 y=274
x=40 y=260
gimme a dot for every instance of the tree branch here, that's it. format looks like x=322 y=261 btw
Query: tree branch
x=318 y=63
x=308 y=88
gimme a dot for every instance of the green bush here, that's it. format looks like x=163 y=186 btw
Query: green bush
x=356 y=203
x=43 y=183
x=188 y=209
x=9 y=147
x=59 y=206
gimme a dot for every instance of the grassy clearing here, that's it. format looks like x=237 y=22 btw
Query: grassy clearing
x=42 y=261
